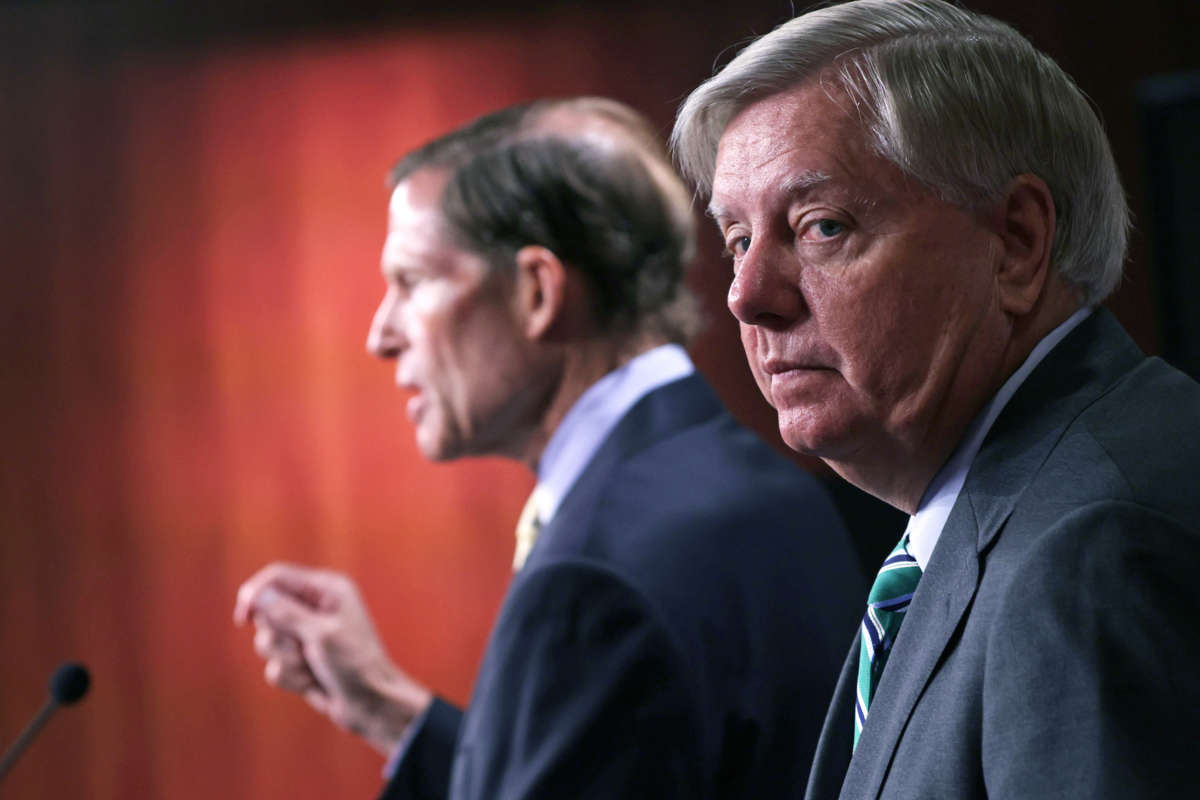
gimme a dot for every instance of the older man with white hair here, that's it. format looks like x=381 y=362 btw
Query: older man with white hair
x=923 y=214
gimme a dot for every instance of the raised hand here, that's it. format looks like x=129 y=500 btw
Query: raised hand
x=316 y=635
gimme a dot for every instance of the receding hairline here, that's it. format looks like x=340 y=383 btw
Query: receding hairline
x=568 y=117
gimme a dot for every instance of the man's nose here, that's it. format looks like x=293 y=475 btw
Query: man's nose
x=385 y=339
x=765 y=290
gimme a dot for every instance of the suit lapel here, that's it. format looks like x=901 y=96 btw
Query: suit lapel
x=939 y=605
x=661 y=413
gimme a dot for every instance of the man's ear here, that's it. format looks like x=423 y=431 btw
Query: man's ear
x=1026 y=228
x=541 y=289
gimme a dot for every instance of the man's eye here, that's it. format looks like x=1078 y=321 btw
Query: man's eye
x=738 y=246
x=830 y=227
x=820 y=230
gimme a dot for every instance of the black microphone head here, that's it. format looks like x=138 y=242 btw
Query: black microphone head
x=70 y=683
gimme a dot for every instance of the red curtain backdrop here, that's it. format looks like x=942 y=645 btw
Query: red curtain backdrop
x=191 y=239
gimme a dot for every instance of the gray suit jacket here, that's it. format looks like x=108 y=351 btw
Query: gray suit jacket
x=1052 y=648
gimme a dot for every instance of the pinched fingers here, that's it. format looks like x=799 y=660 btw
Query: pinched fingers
x=286 y=615
x=270 y=643
x=291 y=676
x=250 y=590
x=286 y=667
x=315 y=588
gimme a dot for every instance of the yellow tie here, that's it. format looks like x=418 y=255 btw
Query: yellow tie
x=529 y=525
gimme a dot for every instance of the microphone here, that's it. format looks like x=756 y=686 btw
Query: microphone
x=68 y=685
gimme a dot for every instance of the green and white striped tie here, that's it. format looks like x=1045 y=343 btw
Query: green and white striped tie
x=889 y=598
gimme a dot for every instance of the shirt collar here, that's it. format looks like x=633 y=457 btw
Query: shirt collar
x=595 y=414
x=925 y=526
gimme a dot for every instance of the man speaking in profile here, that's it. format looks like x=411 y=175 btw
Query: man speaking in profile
x=679 y=609
x=924 y=216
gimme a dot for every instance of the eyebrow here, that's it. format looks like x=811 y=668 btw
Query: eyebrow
x=793 y=186
x=392 y=266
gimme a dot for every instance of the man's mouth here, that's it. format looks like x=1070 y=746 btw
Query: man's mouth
x=776 y=366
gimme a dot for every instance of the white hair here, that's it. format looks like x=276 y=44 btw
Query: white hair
x=958 y=100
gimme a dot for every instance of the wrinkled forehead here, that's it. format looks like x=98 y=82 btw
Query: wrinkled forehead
x=807 y=148
x=818 y=106
x=803 y=136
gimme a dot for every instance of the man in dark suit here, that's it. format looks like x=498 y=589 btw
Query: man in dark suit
x=923 y=215
x=675 y=626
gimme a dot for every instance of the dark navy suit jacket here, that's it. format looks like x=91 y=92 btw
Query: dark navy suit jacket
x=675 y=633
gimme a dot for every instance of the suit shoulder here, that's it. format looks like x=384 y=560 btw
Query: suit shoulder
x=1137 y=443
x=1108 y=534
x=717 y=492
x=714 y=528
x=717 y=469
x=1148 y=426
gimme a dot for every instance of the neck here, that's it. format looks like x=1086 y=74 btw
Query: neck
x=581 y=364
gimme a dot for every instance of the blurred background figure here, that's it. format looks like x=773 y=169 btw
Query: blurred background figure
x=670 y=631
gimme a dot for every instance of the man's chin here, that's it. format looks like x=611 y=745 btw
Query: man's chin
x=435 y=446
x=817 y=438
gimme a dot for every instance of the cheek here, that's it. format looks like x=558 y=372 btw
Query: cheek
x=430 y=329
x=895 y=337
x=431 y=298
x=474 y=346
x=418 y=353
x=869 y=326
x=751 y=341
